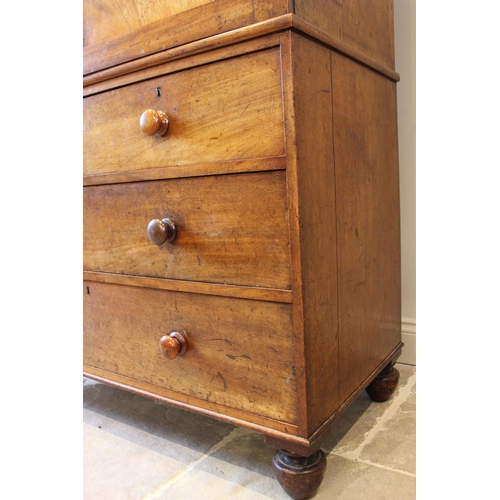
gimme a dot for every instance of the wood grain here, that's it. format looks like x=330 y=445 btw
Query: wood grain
x=233 y=416
x=116 y=32
x=235 y=346
x=369 y=267
x=102 y=51
x=103 y=19
x=286 y=281
x=294 y=228
x=135 y=35
x=210 y=108
x=338 y=45
x=316 y=210
x=196 y=170
x=364 y=25
x=307 y=446
x=253 y=34
x=267 y=9
x=231 y=229
x=299 y=476
x=242 y=292
x=201 y=52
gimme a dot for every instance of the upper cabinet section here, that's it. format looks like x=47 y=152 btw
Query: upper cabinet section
x=365 y=25
x=103 y=19
x=118 y=31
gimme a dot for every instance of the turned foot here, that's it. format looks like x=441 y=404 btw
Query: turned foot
x=299 y=476
x=384 y=385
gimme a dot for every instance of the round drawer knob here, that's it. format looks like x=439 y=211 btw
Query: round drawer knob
x=154 y=122
x=162 y=231
x=173 y=345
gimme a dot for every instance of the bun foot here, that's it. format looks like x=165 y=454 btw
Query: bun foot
x=384 y=385
x=299 y=476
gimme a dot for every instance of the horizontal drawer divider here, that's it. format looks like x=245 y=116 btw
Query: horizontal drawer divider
x=242 y=292
x=196 y=170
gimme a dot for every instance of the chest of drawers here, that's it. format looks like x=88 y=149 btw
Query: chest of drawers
x=241 y=251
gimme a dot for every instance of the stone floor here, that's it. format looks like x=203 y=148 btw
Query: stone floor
x=136 y=448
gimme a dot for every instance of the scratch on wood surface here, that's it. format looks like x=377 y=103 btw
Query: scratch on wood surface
x=246 y=356
x=223 y=340
x=220 y=377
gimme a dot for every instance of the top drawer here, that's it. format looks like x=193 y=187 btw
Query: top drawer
x=226 y=110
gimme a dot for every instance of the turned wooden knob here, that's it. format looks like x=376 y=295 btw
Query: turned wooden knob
x=162 y=231
x=154 y=122
x=173 y=345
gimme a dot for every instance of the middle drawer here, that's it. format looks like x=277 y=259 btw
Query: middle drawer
x=231 y=229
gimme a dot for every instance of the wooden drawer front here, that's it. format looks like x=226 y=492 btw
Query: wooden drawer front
x=225 y=110
x=240 y=352
x=231 y=229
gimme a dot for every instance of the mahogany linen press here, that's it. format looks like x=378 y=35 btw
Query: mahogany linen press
x=241 y=211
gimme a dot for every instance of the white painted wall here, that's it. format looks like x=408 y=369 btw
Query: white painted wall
x=405 y=43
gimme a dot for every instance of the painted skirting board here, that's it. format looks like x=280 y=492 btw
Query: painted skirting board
x=409 y=338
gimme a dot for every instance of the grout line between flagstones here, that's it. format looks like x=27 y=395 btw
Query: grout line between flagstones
x=380 y=466
x=235 y=433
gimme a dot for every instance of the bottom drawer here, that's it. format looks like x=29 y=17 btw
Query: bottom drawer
x=239 y=351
